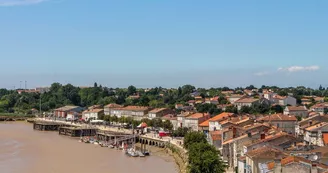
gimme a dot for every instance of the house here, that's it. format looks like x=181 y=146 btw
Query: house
x=291 y=164
x=213 y=100
x=191 y=102
x=319 y=99
x=310 y=121
x=108 y=108
x=261 y=156
x=279 y=140
x=233 y=148
x=173 y=119
x=245 y=102
x=284 y=100
x=214 y=123
x=159 y=112
x=181 y=118
x=195 y=94
x=215 y=139
x=62 y=112
x=284 y=122
x=73 y=115
x=192 y=121
x=320 y=108
x=300 y=111
x=268 y=95
x=317 y=134
x=227 y=92
x=137 y=112
x=235 y=97
x=92 y=114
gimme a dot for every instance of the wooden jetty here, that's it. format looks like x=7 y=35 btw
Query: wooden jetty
x=46 y=126
x=77 y=131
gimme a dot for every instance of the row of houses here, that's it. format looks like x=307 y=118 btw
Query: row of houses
x=94 y=112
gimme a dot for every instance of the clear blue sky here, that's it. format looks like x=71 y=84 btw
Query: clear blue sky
x=164 y=42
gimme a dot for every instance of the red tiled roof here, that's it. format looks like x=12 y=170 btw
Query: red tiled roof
x=113 y=105
x=205 y=123
x=279 y=117
x=265 y=153
x=157 y=110
x=246 y=100
x=197 y=115
x=216 y=135
x=296 y=108
x=93 y=111
x=325 y=138
x=221 y=116
x=293 y=159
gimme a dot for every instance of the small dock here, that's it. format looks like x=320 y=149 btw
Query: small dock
x=46 y=126
x=77 y=131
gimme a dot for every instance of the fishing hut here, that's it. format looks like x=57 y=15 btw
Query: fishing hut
x=46 y=126
x=77 y=131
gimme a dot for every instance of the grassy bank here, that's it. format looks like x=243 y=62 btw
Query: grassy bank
x=180 y=157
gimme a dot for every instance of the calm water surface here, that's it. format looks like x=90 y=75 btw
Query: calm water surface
x=23 y=150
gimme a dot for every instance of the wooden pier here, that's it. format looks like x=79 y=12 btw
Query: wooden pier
x=46 y=126
x=77 y=131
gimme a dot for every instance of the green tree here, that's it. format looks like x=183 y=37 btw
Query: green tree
x=194 y=137
x=132 y=90
x=245 y=110
x=232 y=109
x=204 y=158
x=168 y=125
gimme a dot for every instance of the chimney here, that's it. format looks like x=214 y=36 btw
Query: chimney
x=310 y=122
x=277 y=166
x=314 y=168
x=262 y=136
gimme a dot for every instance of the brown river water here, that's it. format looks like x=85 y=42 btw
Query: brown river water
x=23 y=150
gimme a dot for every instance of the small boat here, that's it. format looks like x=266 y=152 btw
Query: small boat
x=110 y=146
x=146 y=153
x=96 y=143
x=140 y=154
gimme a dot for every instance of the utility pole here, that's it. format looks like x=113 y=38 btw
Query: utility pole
x=25 y=84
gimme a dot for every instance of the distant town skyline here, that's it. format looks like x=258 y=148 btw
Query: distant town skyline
x=163 y=43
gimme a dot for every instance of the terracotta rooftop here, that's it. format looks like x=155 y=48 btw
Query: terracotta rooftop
x=325 y=138
x=279 y=117
x=294 y=159
x=169 y=117
x=113 y=105
x=246 y=100
x=66 y=108
x=133 y=108
x=221 y=116
x=93 y=111
x=197 y=115
x=296 y=108
x=205 y=124
x=265 y=153
x=157 y=110
x=317 y=126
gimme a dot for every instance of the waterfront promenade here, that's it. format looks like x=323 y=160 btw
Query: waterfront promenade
x=152 y=136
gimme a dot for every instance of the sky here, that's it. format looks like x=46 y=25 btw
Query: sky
x=166 y=43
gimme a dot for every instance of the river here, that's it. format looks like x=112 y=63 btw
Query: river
x=23 y=150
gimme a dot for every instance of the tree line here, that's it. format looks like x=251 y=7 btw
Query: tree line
x=60 y=95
